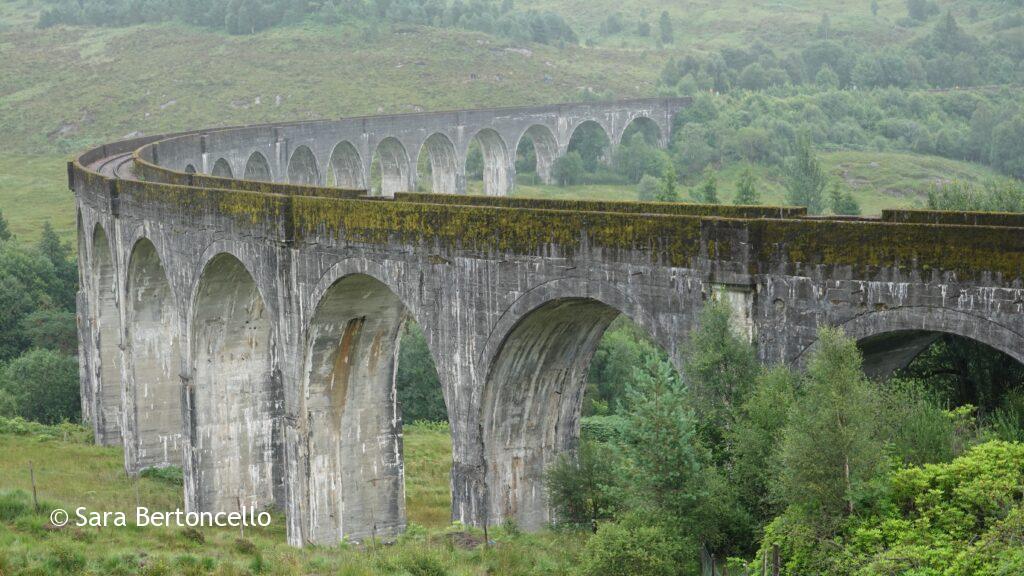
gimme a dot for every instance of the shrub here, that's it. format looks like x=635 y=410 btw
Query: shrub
x=45 y=386
x=635 y=547
x=581 y=488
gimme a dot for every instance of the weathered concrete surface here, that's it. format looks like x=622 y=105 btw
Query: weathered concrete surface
x=281 y=304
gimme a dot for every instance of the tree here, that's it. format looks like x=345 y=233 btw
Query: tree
x=52 y=329
x=756 y=437
x=746 y=190
x=832 y=446
x=826 y=78
x=26 y=281
x=582 y=487
x=874 y=7
x=416 y=381
x=665 y=28
x=668 y=189
x=720 y=367
x=920 y=10
x=843 y=202
x=58 y=253
x=649 y=188
x=5 y=231
x=44 y=385
x=753 y=77
x=805 y=179
x=825 y=27
x=568 y=170
x=709 y=189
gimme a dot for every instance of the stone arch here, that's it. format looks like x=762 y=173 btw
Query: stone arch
x=257 y=168
x=892 y=338
x=302 y=167
x=395 y=172
x=236 y=397
x=441 y=159
x=498 y=168
x=346 y=167
x=154 y=358
x=221 y=169
x=107 y=319
x=645 y=125
x=356 y=478
x=596 y=149
x=190 y=169
x=537 y=357
x=545 y=147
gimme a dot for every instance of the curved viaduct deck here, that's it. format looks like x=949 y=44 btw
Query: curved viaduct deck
x=248 y=329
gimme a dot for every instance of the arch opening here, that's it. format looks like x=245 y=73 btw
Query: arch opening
x=237 y=401
x=488 y=161
x=646 y=127
x=535 y=154
x=346 y=168
x=154 y=353
x=590 y=140
x=302 y=167
x=190 y=169
x=221 y=168
x=437 y=166
x=389 y=168
x=257 y=168
x=543 y=379
x=108 y=346
x=958 y=369
x=355 y=394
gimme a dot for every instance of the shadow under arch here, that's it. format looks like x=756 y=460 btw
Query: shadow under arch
x=221 y=169
x=390 y=169
x=891 y=339
x=353 y=421
x=644 y=125
x=592 y=141
x=346 y=167
x=302 y=167
x=532 y=398
x=437 y=156
x=257 y=168
x=236 y=398
x=497 y=162
x=545 y=151
x=108 y=345
x=154 y=360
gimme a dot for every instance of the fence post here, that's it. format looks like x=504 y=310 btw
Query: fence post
x=776 y=563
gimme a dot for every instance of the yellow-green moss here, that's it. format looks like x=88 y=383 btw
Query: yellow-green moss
x=961 y=218
x=678 y=208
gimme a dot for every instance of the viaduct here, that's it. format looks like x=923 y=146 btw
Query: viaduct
x=242 y=294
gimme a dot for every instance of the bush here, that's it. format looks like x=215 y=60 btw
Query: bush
x=44 y=385
x=634 y=546
x=581 y=488
x=606 y=428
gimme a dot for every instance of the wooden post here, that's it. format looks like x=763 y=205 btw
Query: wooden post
x=32 y=476
x=776 y=561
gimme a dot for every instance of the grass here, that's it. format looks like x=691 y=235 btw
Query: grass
x=71 y=473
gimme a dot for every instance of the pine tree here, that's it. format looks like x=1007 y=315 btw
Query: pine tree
x=874 y=7
x=805 y=179
x=825 y=27
x=669 y=193
x=665 y=27
x=709 y=189
x=5 y=231
x=843 y=202
x=746 y=190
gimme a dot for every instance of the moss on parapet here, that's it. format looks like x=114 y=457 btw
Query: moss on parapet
x=968 y=251
x=678 y=208
x=673 y=239
x=764 y=244
x=1005 y=219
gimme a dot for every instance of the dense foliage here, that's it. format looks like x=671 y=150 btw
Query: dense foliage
x=38 y=336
